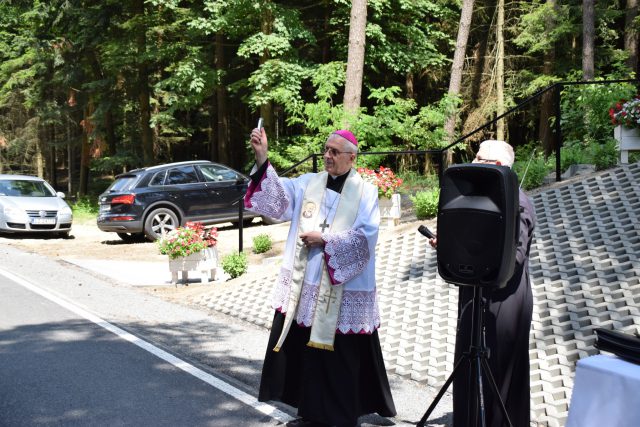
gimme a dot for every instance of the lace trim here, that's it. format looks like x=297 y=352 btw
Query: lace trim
x=347 y=254
x=358 y=313
x=282 y=290
x=270 y=198
x=306 y=306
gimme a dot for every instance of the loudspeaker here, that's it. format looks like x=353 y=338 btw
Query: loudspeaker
x=477 y=225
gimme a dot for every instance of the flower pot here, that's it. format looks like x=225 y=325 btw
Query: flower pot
x=390 y=211
x=204 y=262
x=628 y=139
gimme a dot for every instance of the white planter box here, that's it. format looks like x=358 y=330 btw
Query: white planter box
x=628 y=140
x=390 y=211
x=204 y=262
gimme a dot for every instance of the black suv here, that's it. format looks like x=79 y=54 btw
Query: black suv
x=151 y=201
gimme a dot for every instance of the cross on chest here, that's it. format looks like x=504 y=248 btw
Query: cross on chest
x=324 y=225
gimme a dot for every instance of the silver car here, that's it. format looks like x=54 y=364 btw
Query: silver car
x=30 y=204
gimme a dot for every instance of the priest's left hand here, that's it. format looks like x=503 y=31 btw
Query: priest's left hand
x=312 y=239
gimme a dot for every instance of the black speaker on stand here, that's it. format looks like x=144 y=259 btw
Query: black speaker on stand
x=477 y=237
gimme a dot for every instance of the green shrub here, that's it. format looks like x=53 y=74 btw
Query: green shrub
x=425 y=203
x=413 y=180
x=85 y=209
x=535 y=174
x=262 y=243
x=572 y=154
x=235 y=264
x=604 y=155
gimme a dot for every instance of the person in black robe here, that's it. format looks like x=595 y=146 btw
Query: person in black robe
x=507 y=322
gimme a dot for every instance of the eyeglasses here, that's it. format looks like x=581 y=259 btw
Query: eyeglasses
x=333 y=152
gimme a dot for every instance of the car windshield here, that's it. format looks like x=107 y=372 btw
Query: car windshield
x=25 y=188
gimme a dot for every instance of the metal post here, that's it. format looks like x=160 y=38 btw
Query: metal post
x=441 y=166
x=558 y=129
x=240 y=223
x=315 y=163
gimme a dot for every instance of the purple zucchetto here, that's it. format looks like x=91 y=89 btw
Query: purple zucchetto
x=348 y=135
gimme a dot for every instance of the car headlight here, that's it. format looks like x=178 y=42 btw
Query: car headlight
x=12 y=212
x=66 y=211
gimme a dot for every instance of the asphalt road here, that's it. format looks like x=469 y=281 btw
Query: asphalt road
x=53 y=338
x=62 y=365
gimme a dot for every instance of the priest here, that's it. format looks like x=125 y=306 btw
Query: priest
x=323 y=356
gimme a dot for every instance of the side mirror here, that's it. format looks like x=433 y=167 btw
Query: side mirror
x=60 y=194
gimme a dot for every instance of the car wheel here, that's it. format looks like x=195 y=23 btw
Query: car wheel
x=131 y=237
x=160 y=221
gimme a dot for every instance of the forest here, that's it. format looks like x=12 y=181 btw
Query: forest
x=92 y=88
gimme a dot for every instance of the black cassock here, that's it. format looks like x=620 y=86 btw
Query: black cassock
x=330 y=387
x=507 y=321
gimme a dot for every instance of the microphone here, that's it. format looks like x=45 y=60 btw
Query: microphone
x=426 y=232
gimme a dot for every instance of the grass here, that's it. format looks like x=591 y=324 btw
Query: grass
x=85 y=210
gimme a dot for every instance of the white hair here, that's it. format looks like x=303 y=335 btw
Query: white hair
x=500 y=151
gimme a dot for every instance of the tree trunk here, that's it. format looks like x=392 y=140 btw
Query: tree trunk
x=546 y=103
x=53 y=175
x=631 y=35
x=355 y=56
x=69 y=160
x=222 y=111
x=479 y=65
x=588 y=36
x=146 y=134
x=500 y=128
x=409 y=85
x=458 y=64
x=39 y=156
x=266 y=110
x=85 y=157
x=107 y=119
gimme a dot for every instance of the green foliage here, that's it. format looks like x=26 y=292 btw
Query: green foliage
x=585 y=111
x=262 y=243
x=531 y=166
x=425 y=203
x=235 y=264
x=572 y=154
x=413 y=181
x=604 y=155
x=85 y=209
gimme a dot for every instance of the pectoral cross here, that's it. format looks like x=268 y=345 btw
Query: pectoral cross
x=327 y=298
x=324 y=225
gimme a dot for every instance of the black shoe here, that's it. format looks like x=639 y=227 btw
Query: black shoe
x=300 y=422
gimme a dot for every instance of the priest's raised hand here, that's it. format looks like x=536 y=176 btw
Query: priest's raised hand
x=260 y=145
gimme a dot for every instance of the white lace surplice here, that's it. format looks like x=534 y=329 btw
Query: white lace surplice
x=347 y=254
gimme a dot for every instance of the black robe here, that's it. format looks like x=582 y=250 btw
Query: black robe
x=507 y=322
x=330 y=387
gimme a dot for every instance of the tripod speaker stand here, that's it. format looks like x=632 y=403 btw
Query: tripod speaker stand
x=477 y=236
x=476 y=356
